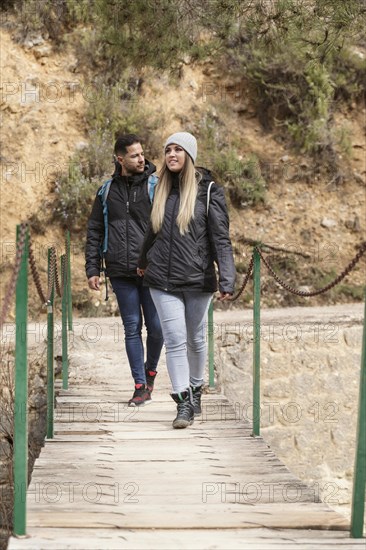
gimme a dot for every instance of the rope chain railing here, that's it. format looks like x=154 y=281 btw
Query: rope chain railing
x=63 y=274
x=35 y=273
x=289 y=288
x=245 y=281
x=57 y=282
x=25 y=254
x=10 y=290
x=53 y=276
x=359 y=478
x=332 y=284
x=18 y=286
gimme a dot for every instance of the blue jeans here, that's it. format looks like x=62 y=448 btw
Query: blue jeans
x=183 y=317
x=133 y=300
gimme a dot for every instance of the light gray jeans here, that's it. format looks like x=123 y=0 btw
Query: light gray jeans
x=183 y=319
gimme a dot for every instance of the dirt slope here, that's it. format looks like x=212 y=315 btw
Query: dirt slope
x=43 y=105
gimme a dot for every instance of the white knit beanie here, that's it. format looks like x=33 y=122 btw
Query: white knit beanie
x=186 y=141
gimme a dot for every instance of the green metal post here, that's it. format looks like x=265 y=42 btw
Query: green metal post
x=256 y=342
x=211 y=362
x=20 y=461
x=69 y=295
x=50 y=355
x=65 y=361
x=359 y=478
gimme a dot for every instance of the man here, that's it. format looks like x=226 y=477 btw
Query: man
x=128 y=212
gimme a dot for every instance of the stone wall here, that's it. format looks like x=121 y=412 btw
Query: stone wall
x=37 y=412
x=310 y=374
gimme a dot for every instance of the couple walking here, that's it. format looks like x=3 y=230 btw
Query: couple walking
x=163 y=243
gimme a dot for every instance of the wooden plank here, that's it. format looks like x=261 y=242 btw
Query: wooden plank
x=230 y=516
x=118 y=477
x=199 y=539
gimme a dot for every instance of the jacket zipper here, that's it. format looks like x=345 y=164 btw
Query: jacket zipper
x=171 y=239
x=127 y=224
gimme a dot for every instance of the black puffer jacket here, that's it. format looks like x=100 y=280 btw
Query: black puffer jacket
x=128 y=217
x=176 y=262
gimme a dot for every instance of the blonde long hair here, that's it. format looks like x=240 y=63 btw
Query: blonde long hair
x=188 y=183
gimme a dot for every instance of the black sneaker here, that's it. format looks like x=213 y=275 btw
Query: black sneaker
x=150 y=379
x=196 y=399
x=185 y=410
x=140 y=396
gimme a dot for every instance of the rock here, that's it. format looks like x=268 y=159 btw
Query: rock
x=81 y=145
x=353 y=225
x=42 y=51
x=328 y=223
x=37 y=382
x=305 y=234
x=12 y=108
x=73 y=65
x=36 y=402
x=193 y=84
x=358 y=177
x=28 y=44
x=305 y=288
x=285 y=158
x=37 y=40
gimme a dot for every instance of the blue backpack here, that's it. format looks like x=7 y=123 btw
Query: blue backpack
x=103 y=194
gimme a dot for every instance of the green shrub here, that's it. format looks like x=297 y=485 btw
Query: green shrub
x=296 y=59
x=349 y=75
x=53 y=18
x=75 y=193
x=243 y=178
x=112 y=111
x=118 y=109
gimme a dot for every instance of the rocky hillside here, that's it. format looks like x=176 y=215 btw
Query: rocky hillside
x=43 y=107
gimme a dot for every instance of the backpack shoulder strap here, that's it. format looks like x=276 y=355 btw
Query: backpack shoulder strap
x=151 y=183
x=208 y=196
x=103 y=194
x=104 y=190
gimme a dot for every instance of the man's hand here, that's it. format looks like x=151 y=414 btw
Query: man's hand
x=140 y=272
x=94 y=282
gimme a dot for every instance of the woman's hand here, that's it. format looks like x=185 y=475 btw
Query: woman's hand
x=140 y=272
x=224 y=296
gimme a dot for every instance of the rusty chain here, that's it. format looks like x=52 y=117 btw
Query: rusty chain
x=60 y=287
x=52 y=274
x=57 y=282
x=246 y=279
x=35 y=274
x=14 y=276
x=45 y=298
x=53 y=279
x=337 y=280
x=63 y=274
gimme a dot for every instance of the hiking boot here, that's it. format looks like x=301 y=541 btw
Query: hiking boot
x=150 y=379
x=196 y=399
x=185 y=410
x=140 y=396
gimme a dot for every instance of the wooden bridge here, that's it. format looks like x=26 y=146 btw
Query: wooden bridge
x=120 y=478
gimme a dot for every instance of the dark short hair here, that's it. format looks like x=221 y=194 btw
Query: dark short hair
x=124 y=141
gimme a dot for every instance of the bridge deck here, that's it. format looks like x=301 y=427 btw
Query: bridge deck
x=120 y=478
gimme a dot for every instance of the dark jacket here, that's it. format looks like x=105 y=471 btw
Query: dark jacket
x=176 y=262
x=129 y=210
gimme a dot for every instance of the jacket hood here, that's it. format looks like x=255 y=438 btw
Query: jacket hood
x=205 y=173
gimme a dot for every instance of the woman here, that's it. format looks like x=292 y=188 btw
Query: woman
x=189 y=230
